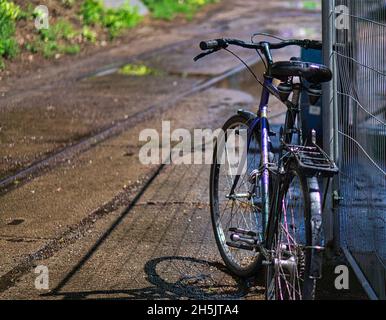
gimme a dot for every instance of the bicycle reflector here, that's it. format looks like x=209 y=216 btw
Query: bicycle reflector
x=314 y=93
x=284 y=90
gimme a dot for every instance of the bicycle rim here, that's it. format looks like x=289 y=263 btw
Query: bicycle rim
x=241 y=214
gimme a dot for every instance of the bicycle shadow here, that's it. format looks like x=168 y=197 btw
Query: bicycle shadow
x=192 y=278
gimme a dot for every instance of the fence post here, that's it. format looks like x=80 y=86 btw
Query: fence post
x=328 y=112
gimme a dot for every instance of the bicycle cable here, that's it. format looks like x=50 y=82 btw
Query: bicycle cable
x=266 y=35
x=247 y=66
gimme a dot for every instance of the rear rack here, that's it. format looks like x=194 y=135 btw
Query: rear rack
x=312 y=160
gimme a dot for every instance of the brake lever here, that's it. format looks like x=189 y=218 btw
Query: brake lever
x=204 y=54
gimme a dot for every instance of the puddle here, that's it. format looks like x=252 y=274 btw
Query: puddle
x=130 y=69
x=244 y=80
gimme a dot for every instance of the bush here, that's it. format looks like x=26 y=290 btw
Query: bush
x=61 y=30
x=125 y=17
x=56 y=39
x=89 y=34
x=8 y=46
x=94 y=13
x=168 y=9
x=91 y=12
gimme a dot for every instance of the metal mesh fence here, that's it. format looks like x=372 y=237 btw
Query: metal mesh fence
x=358 y=131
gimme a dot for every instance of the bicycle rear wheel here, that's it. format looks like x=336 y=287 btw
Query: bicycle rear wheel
x=295 y=232
x=241 y=213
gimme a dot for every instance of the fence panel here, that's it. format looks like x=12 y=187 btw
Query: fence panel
x=356 y=130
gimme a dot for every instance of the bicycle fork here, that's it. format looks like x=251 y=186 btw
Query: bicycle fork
x=261 y=124
x=264 y=129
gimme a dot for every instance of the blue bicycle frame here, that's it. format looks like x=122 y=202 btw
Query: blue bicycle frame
x=260 y=124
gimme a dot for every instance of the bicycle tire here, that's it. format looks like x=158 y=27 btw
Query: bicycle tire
x=312 y=220
x=253 y=267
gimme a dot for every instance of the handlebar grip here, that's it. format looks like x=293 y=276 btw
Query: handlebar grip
x=313 y=44
x=213 y=44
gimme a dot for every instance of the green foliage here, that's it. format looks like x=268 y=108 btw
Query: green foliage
x=168 y=9
x=115 y=20
x=28 y=13
x=49 y=49
x=31 y=47
x=68 y=3
x=61 y=37
x=61 y=30
x=89 y=34
x=70 y=49
x=55 y=39
x=91 y=12
x=8 y=10
x=9 y=13
x=310 y=5
x=125 y=17
x=137 y=70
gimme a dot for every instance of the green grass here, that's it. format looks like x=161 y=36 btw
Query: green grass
x=168 y=9
x=62 y=30
x=114 y=20
x=63 y=38
x=311 y=5
x=8 y=15
x=91 y=12
x=89 y=34
x=57 y=39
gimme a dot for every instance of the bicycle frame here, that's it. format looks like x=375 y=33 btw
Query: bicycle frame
x=261 y=124
x=264 y=130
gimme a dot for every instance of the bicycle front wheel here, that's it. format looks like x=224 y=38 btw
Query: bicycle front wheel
x=241 y=213
x=296 y=231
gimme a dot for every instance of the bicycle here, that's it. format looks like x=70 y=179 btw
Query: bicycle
x=271 y=214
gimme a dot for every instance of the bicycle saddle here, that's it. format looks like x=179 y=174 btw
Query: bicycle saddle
x=312 y=72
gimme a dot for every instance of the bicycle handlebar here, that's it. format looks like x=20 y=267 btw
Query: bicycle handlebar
x=218 y=44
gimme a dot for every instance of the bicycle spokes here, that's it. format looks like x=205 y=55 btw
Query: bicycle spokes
x=288 y=259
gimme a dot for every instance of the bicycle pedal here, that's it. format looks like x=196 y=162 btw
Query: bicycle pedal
x=243 y=239
x=241 y=246
x=243 y=232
